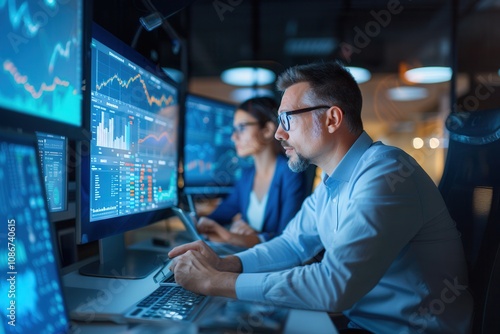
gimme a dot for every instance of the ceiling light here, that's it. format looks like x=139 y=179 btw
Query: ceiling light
x=248 y=76
x=360 y=74
x=407 y=93
x=427 y=75
x=151 y=21
x=243 y=94
x=418 y=143
x=317 y=46
x=434 y=143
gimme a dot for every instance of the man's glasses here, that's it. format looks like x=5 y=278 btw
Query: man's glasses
x=239 y=128
x=284 y=117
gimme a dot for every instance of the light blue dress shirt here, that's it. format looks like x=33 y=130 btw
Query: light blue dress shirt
x=393 y=259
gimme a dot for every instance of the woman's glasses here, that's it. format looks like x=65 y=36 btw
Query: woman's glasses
x=239 y=128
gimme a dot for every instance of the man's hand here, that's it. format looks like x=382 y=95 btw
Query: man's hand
x=200 y=247
x=197 y=268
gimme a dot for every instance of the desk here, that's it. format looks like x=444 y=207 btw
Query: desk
x=94 y=300
x=299 y=322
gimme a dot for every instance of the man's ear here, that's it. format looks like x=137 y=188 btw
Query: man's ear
x=334 y=118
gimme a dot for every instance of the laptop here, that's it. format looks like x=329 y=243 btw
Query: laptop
x=209 y=314
x=32 y=298
x=164 y=276
x=158 y=300
x=122 y=300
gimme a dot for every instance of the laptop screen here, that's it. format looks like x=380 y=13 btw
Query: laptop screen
x=31 y=298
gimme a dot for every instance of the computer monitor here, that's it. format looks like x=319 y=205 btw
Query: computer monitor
x=128 y=175
x=42 y=66
x=53 y=152
x=211 y=166
x=32 y=297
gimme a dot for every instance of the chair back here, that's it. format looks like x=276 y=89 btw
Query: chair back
x=470 y=186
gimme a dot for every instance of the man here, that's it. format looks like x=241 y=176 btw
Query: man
x=393 y=260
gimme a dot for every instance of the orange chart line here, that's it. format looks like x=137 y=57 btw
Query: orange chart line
x=157 y=138
x=126 y=83
x=23 y=80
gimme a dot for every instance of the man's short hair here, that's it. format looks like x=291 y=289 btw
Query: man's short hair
x=331 y=83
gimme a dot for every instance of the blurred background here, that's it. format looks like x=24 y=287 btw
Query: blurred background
x=199 y=40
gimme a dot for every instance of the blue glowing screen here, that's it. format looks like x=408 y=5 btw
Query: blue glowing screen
x=211 y=165
x=41 y=59
x=31 y=297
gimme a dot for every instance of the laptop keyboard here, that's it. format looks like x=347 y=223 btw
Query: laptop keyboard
x=169 y=302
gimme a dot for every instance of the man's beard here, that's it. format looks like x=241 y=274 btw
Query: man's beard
x=298 y=165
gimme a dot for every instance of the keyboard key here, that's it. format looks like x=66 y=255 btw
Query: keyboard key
x=169 y=302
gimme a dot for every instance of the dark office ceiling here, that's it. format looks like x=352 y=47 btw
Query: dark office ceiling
x=363 y=33
x=381 y=35
x=377 y=34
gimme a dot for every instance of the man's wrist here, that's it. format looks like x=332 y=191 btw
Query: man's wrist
x=230 y=264
x=223 y=284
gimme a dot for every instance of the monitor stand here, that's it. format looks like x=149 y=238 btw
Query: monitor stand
x=116 y=261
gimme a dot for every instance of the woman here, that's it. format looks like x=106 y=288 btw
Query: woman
x=268 y=194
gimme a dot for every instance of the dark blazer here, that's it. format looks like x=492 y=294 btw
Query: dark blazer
x=286 y=194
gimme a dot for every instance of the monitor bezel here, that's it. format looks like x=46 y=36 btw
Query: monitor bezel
x=70 y=211
x=126 y=222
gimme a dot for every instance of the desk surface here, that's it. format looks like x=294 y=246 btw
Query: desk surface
x=93 y=300
x=299 y=322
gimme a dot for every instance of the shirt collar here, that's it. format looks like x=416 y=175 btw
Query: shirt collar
x=344 y=169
